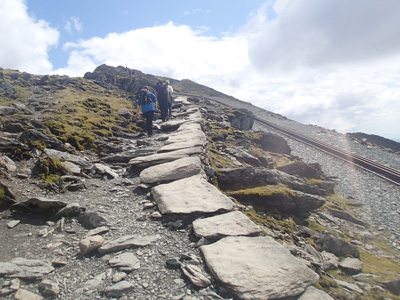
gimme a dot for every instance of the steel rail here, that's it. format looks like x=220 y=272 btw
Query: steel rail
x=390 y=174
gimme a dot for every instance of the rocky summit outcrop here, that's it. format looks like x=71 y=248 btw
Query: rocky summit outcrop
x=206 y=208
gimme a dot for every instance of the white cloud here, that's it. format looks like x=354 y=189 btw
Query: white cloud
x=176 y=51
x=73 y=24
x=24 y=41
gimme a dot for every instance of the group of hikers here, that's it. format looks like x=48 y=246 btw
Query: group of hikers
x=148 y=102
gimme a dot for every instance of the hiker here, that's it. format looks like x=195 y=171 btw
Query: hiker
x=170 y=100
x=162 y=98
x=147 y=101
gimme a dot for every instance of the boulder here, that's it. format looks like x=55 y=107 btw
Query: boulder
x=281 y=199
x=90 y=244
x=272 y=143
x=351 y=265
x=33 y=137
x=393 y=286
x=14 y=148
x=49 y=289
x=92 y=219
x=247 y=177
x=79 y=160
x=270 y=272
x=333 y=244
x=39 y=205
x=302 y=169
x=241 y=119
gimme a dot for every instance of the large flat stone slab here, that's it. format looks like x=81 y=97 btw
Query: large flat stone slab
x=190 y=126
x=190 y=195
x=230 y=224
x=181 y=145
x=178 y=169
x=256 y=268
x=186 y=136
x=160 y=158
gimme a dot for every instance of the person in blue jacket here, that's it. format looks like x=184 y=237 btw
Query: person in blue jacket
x=147 y=102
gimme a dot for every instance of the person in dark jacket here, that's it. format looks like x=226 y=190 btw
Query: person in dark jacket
x=162 y=98
x=147 y=103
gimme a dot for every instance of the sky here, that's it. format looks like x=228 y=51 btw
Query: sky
x=332 y=63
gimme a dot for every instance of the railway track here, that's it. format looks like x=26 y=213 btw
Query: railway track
x=390 y=174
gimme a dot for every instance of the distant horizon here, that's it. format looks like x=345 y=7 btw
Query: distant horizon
x=330 y=63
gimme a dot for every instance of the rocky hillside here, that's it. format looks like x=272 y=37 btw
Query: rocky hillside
x=91 y=208
x=375 y=141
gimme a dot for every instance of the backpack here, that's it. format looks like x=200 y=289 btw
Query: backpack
x=144 y=97
x=162 y=91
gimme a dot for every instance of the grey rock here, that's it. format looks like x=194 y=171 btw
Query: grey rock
x=351 y=265
x=125 y=262
x=127 y=242
x=33 y=136
x=7 y=164
x=181 y=145
x=7 y=110
x=98 y=230
x=313 y=293
x=349 y=286
x=242 y=119
x=333 y=244
x=393 y=286
x=92 y=219
x=83 y=162
x=119 y=289
x=159 y=158
x=273 y=143
x=39 y=205
x=25 y=268
x=69 y=211
x=7 y=198
x=49 y=289
x=178 y=169
x=250 y=177
x=190 y=195
x=186 y=136
x=302 y=169
x=346 y=216
x=13 y=223
x=90 y=244
x=195 y=275
x=270 y=272
x=105 y=170
x=330 y=261
x=23 y=294
x=229 y=224
x=244 y=156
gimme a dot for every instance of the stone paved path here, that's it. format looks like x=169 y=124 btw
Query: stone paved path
x=249 y=265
